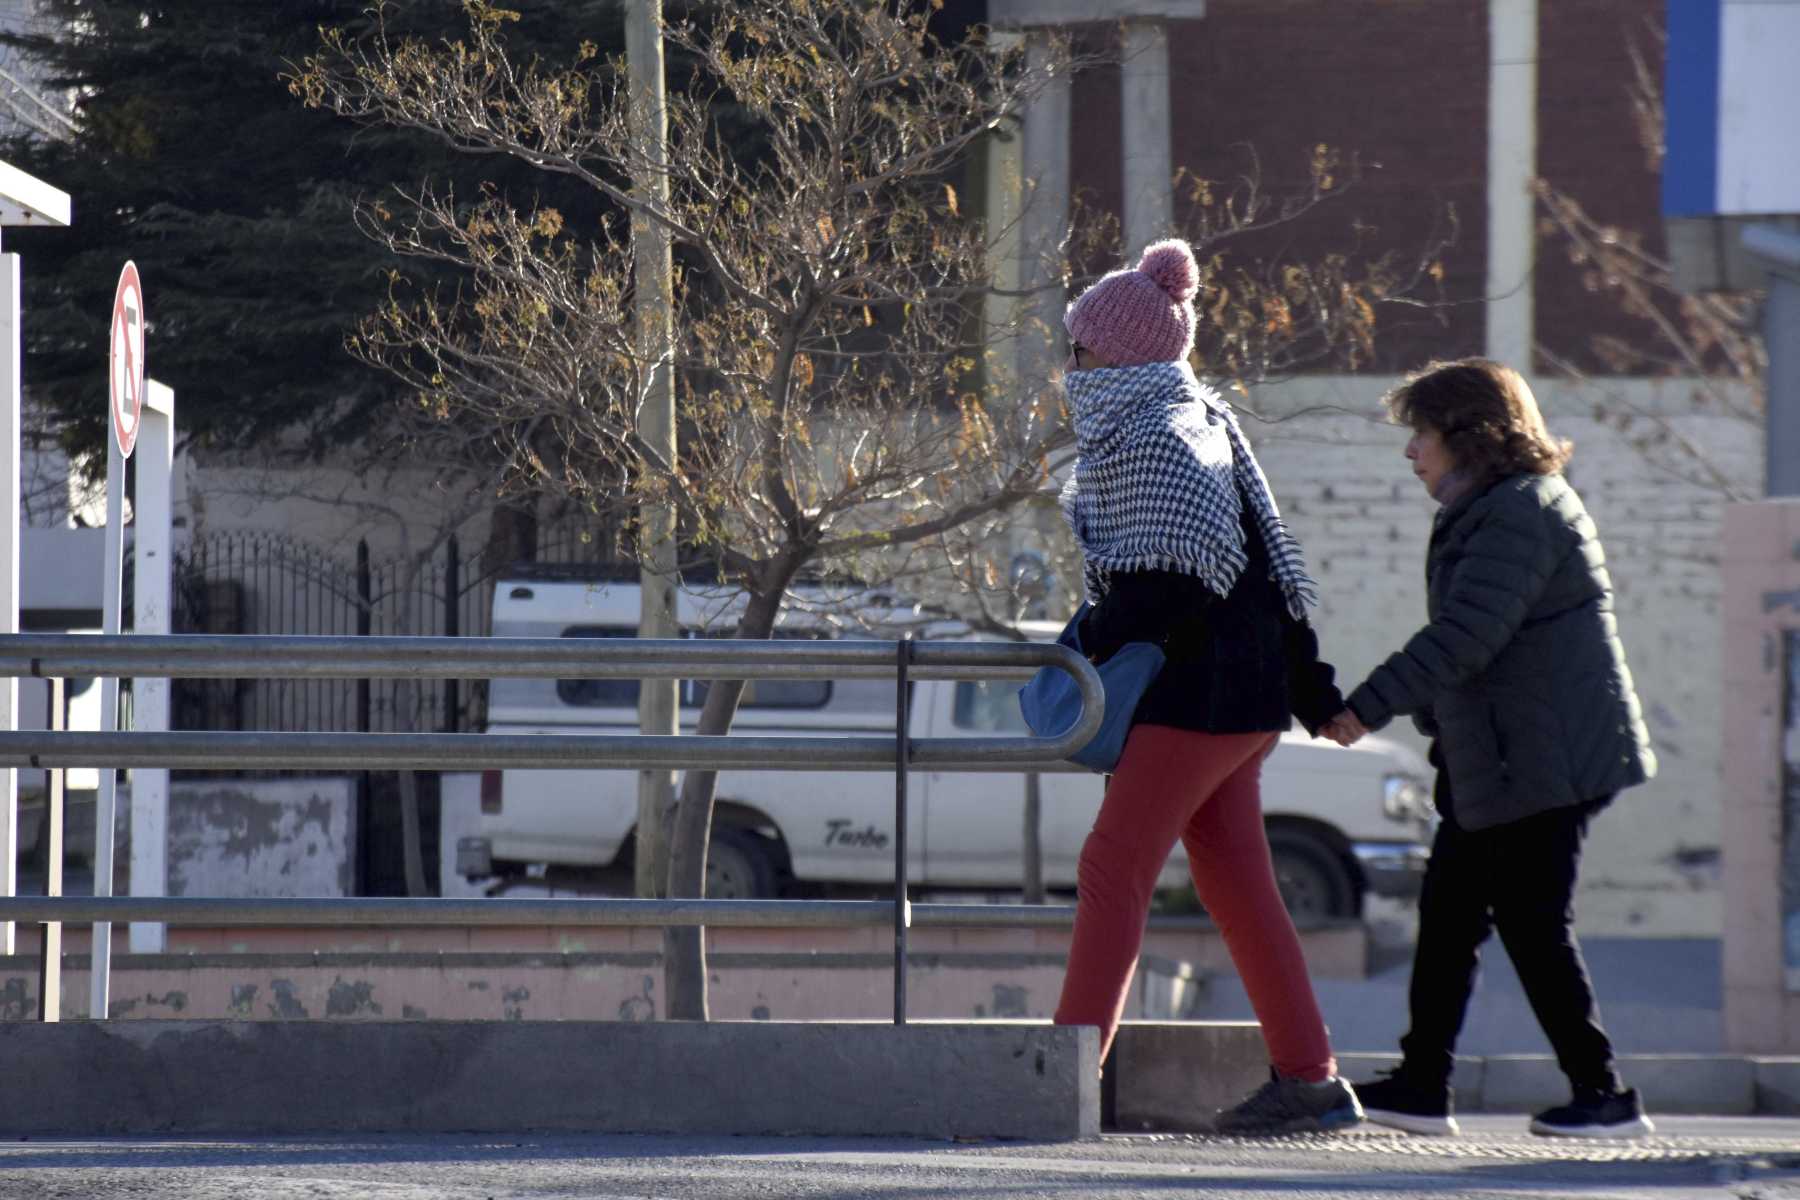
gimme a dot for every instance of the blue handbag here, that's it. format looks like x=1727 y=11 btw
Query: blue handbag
x=1051 y=702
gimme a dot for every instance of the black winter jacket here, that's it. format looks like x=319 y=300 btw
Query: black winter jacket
x=1519 y=673
x=1237 y=664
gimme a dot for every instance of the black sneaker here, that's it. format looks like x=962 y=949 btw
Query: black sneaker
x=1291 y=1106
x=1402 y=1102
x=1596 y=1115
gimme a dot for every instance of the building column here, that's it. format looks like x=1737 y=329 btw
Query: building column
x=1044 y=215
x=1511 y=166
x=1005 y=173
x=1146 y=132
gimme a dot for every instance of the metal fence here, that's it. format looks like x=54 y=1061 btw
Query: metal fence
x=259 y=582
x=253 y=582
x=60 y=656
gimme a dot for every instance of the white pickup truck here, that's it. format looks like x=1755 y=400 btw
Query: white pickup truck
x=1342 y=822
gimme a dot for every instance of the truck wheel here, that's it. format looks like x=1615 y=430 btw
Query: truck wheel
x=1315 y=885
x=740 y=865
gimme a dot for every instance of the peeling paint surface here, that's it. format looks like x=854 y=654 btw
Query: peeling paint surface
x=286 y=1004
x=282 y=837
x=16 y=1004
x=348 y=999
x=640 y=1007
x=1011 y=1000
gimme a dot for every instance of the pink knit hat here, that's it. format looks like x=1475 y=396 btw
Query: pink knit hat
x=1141 y=315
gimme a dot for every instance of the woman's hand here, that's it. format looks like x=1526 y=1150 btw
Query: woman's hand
x=1346 y=729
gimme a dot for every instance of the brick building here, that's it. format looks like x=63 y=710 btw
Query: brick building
x=1448 y=108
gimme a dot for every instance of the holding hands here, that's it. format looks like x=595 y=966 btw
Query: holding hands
x=1346 y=729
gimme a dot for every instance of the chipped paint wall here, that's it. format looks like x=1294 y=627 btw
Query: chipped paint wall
x=261 y=837
x=1761 y=821
x=589 y=987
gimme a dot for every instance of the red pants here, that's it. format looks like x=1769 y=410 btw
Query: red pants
x=1205 y=789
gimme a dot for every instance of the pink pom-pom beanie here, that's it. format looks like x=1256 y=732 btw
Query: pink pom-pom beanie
x=1143 y=314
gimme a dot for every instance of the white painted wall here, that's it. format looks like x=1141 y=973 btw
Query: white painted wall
x=332 y=506
x=1363 y=519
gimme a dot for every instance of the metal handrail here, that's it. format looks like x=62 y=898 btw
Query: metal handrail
x=238 y=656
x=423 y=751
x=253 y=656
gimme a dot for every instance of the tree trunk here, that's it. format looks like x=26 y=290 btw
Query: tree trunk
x=412 y=851
x=658 y=710
x=684 y=946
x=412 y=835
x=512 y=538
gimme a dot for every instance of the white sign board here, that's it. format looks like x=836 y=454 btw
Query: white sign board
x=1731 y=104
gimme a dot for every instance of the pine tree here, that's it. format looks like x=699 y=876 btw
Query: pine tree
x=193 y=159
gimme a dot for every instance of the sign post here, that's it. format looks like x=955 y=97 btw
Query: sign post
x=152 y=554
x=125 y=393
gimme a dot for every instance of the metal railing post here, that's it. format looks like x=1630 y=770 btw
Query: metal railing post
x=50 y=932
x=902 y=726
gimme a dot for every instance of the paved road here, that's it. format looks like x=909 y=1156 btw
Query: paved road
x=1690 y=1157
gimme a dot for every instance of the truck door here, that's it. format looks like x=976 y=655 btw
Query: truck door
x=974 y=823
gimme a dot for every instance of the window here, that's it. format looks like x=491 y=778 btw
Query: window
x=599 y=693
x=623 y=693
x=989 y=707
x=767 y=693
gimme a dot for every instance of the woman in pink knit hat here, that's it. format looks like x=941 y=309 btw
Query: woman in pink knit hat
x=1183 y=546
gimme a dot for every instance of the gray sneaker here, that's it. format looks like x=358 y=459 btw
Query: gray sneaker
x=1292 y=1106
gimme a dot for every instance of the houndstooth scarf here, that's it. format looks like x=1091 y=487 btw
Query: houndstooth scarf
x=1160 y=465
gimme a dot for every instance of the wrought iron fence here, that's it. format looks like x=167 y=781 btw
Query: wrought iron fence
x=270 y=583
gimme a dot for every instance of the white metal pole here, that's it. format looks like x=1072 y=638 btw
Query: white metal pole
x=105 y=809
x=1512 y=162
x=152 y=506
x=11 y=431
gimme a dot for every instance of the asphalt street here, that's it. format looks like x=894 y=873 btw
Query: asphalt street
x=1717 y=1158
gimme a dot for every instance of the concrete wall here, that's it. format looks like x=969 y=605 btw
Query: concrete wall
x=1652 y=864
x=1762 y=777
x=399 y=511
x=797 y=985
x=259 y=837
x=943 y=1081
x=264 y=837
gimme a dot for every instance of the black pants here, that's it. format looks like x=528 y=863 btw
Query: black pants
x=1517 y=878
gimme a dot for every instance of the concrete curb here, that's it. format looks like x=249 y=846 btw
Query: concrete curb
x=1172 y=1076
x=994 y=1079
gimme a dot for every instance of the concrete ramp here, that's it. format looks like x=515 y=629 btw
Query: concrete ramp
x=991 y=1079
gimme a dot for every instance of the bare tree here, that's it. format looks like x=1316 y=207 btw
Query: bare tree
x=830 y=350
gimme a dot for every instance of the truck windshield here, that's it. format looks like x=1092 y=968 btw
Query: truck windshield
x=988 y=707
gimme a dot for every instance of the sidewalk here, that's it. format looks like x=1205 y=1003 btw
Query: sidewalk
x=1688 y=1158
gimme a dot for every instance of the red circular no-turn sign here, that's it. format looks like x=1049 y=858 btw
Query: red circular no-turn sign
x=126 y=359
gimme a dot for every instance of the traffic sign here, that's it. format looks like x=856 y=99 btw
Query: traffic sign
x=126 y=360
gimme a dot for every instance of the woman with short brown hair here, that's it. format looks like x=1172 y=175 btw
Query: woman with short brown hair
x=1519 y=679
x=1485 y=412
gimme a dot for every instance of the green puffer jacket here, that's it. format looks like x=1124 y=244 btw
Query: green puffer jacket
x=1519 y=674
